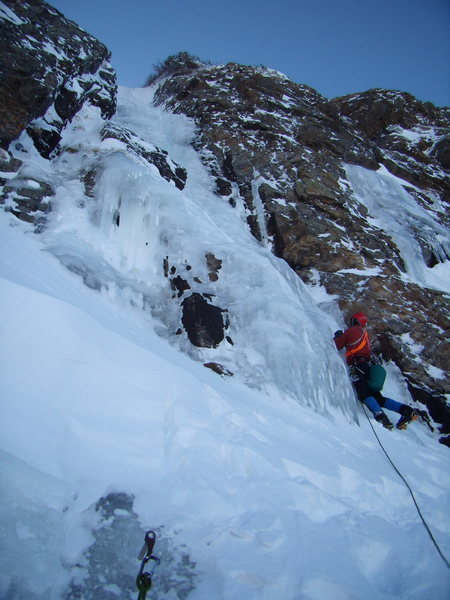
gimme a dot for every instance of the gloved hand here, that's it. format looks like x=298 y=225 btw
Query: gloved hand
x=338 y=333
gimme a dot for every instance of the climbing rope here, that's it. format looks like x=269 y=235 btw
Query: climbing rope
x=410 y=491
x=144 y=580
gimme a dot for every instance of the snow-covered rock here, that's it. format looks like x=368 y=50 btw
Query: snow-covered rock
x=49 y=68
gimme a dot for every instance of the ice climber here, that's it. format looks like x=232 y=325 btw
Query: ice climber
x=368 y=377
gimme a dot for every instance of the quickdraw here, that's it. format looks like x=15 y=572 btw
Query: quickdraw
x=144 y=580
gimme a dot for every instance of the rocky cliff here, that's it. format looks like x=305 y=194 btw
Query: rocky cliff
x=286 y=153
x=278 y=152
x=49 y=68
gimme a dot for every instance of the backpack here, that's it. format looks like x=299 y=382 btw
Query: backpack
x=377 y=377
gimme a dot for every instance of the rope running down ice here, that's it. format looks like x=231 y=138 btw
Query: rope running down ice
x=410 y=491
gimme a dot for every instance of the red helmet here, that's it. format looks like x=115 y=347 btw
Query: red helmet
x=359 y=319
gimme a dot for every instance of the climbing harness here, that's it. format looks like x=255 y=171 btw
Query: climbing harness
x=410 y=491
x=144 y=580
x=363 y=340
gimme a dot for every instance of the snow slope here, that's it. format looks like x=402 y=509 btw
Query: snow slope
x=267 y=485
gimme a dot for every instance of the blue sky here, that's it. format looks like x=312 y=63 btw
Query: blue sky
x=337 y=47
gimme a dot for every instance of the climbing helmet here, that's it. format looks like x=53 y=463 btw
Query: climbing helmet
x=359 y=318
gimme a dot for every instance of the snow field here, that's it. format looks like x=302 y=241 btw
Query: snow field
x=271 y=499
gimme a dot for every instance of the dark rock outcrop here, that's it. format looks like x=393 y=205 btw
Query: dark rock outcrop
x=29 y=199
x=49 y=68
x=203 y=322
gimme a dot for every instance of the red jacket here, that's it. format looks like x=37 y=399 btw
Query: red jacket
x=356 y=342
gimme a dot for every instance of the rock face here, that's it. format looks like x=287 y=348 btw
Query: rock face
x=383 y=116
x=280 y=150
x=203 y=321
x=49 y=68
